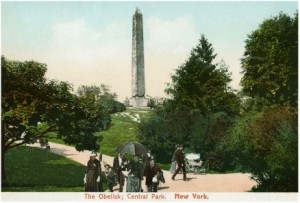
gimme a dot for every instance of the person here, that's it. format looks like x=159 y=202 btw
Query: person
x=152 y=174
x=110 y=177
x=173 y=160
x=92 y=174
x=100 y=156
x=135 y=175
x=119 y=163
x=180 y=162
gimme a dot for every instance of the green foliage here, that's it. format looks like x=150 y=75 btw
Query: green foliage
x=28 y=99
x=236 y=144
x=201 y=84
x=267 y=146
x=162 y=131
x=270 y=63
x=112 y=105
x=198 y=133
x=206 y=134
x=103 y=96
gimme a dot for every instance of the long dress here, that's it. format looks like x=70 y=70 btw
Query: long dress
x=93 y=170
x=135 y=177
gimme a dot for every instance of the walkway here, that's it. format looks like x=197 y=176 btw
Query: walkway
x=233 y=182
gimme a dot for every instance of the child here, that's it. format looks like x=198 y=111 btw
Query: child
x=110 y=177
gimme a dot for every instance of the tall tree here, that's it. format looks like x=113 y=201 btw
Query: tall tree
x=32 y=107
x=201 y=84
x=270 y=63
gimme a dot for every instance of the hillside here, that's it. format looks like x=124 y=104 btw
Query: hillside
x=124 y=128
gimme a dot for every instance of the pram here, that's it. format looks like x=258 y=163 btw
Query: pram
x=194 y=164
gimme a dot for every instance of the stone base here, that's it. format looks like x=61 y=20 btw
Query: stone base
x=137 y=102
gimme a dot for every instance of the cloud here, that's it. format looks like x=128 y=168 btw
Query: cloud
x=86 y=55
x=167 y=46
x=74 y=40
x=171 y=36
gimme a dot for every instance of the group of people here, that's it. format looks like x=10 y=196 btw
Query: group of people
x=132 y=171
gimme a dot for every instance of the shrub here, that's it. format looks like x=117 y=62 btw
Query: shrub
x=266 y=145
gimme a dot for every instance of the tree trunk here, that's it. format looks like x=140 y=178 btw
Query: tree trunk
x=4 y=181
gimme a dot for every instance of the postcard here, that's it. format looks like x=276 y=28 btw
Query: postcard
x=149 y=101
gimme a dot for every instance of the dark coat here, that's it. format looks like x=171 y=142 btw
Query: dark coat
x=179 y=157
x=151 y=172
x=136 y=169
x=118 y=170
x=116 y=166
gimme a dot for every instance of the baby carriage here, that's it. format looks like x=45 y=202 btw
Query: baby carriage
x=194 y=164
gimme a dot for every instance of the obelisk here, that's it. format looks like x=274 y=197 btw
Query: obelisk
x=138 y=71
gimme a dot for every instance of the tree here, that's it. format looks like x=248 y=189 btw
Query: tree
x=201 y=84
x=270 y=63
x=266 y=145
x=92 y=92
x=33 y=107
x=163 y=130
x=103 y=96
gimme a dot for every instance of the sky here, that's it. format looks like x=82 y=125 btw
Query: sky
x=89 y=43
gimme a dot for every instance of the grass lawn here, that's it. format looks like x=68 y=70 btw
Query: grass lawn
x=123 y=129
x=31 y=169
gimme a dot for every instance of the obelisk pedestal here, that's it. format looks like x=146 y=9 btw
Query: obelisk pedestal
x=138 y=73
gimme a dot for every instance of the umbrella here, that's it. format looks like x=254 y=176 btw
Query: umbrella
x=132 y=148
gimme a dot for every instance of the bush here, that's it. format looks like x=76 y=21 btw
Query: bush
x=198 y=133
x=266 y=145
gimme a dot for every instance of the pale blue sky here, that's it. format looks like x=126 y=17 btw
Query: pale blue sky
x=90 y=42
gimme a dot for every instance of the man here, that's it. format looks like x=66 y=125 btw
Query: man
x=151 y=172
x=119 y=166
x=180 y=162
x=173 y=160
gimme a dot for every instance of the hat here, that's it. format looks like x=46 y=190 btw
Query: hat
x=93 y=154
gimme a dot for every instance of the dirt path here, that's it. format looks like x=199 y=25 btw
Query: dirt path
x=233 y=182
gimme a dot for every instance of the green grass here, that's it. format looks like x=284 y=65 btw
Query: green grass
x=123 y=129
x=34 y=169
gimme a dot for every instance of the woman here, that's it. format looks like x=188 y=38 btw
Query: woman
x=152 y=173
x=135 y=175
x=92 y=174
